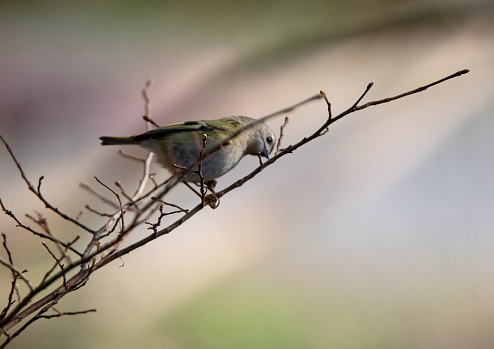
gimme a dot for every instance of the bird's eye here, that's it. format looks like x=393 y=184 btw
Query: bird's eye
x=269 y=139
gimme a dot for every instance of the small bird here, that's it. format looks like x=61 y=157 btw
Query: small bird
x=179 y=146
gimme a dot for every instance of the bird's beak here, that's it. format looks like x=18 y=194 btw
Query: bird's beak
x=265 y=153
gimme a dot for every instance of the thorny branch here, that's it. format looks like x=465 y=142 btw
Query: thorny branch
x=140 y=206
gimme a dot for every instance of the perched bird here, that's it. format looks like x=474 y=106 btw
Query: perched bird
x=181 y=144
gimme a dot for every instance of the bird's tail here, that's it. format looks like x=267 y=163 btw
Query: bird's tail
x=116 y=140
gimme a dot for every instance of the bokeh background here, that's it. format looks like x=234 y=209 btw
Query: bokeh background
x=378 y=235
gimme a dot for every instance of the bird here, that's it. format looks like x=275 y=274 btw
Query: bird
x=178 y=146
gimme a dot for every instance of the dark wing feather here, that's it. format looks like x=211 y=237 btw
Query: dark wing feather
x=190 y=126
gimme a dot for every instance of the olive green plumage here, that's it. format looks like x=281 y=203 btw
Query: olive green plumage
x=181 y=144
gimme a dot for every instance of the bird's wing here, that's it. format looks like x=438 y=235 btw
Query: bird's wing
x=189 y=126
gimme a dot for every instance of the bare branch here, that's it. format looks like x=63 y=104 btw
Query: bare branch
x=102 y=214
x=20 y=312
x=282 y=128
x=110 y=251
x=40 y=315
x=199 y=167
x=87 y=187
x=172 y=205
x=154 y=226
x=188 y=185
x=68 y=313
x=60 y=265
x=150 y=120
x=151 y=177
x=118 y=184
x=121 y=215
x=57 y=211
x=17 y=272
x=147 y=99
x=17 y=163
x=13 y=287
x=43 y=223
x=44 y=236
x=390 y=99
x=130 y=157
x=323 y=94
x=369 y=86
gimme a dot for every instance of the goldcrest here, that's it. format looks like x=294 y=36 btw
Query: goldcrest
x=179 y=146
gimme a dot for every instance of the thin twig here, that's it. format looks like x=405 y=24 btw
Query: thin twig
x=60 y=265
x=102 y=214
x=150 y=120
x=171 y=205
x=43 y=223
x=128 y=197
x=323 y=94
x=13 y=286
x=17 y=272
x=369 y=86
x=417 y=90
x=25 y=227
x=146 y=91
x=69 y=313
x=191 y=188
x=50 y=271
x=130 y=157
x=151 y=177
x=57 y=211
x=282 y=128
x=154 y=226
x=199 y=167
x=87 y=187
x=121 y=215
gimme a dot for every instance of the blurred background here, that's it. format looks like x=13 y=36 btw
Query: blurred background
x=377 y=235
